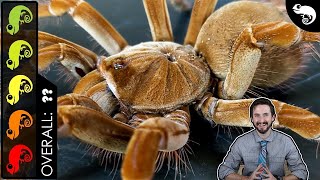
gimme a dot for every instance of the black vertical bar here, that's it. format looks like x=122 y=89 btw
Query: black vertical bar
x=2 y=120
x=46 y=129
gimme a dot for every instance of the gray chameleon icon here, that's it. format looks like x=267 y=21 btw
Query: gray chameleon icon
x=308 y=13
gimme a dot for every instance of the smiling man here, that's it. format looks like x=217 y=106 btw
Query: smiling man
x=263 y=150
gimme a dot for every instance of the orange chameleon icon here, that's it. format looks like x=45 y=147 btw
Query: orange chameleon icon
x=18 y=120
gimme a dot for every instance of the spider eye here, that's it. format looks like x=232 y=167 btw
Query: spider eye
x=9 y=97
x=199 y=54
x=117 y=66
x=9 y=166
x=9 y=131
x=9 y=62
x=9 y=27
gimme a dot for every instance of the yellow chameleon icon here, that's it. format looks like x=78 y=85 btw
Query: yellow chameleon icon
x=18 y=84
x=18 y=15
x=18 y=50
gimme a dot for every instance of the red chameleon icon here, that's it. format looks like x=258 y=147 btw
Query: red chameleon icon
x=18 y=154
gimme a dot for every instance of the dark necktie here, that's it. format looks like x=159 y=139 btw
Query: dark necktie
x=263 y=155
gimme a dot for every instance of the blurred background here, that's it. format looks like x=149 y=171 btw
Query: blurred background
x=209 y=143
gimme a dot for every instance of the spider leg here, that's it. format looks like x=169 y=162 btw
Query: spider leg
x=282 y=34
x=236 y=113
x=89 y=19
x=245 y=58
x=81 y=117
x=47 y=39
x=53 y=48
x=154 y=134
x=200 y=12
x=246 y=53
x=67 y=55
x=159 y=20
x=310 y=36
x=76 y=99
x=88 y=81
x=138 y=118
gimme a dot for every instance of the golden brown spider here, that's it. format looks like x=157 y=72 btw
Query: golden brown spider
x=150 y=86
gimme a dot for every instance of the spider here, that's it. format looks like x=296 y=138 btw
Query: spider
x=139 y=97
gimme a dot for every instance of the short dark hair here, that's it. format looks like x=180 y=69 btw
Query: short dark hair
x=262 y=101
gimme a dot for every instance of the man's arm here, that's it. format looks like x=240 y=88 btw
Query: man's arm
x=290 y=177
x=295 y=163
x=235 y=176
x=231 y=162
x=256 y=173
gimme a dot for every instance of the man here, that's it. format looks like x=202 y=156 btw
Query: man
x=263 y=150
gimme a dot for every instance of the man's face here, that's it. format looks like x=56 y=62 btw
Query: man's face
x=262 y=118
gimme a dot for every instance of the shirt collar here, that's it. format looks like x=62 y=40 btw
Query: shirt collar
x=259 y=139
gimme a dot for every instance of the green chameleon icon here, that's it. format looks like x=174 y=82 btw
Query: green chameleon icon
x=18 y=15
x=18 y=50
x=18 y=84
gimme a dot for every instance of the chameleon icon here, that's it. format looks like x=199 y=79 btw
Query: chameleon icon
x=18 y=84
x=18 y=50
x=18 y=120
x=18 y=154
x=18 y=15
x=305 y=11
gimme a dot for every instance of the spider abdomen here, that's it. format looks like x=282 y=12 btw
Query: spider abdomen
x=219 y=32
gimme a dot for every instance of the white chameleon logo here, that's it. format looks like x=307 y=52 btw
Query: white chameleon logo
x=305 y=11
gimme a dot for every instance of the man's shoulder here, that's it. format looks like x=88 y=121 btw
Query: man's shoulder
x=245 y=136
x=279 y=135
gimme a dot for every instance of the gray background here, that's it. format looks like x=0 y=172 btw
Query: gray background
x=209 y=144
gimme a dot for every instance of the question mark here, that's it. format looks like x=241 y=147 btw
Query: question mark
x=45 y=99
x=44 y=93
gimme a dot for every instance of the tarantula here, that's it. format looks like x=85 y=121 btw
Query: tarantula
x=139 y=97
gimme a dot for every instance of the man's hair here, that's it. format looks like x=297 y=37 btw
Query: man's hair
x=262 y=101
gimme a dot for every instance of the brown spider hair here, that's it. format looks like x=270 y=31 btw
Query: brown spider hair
x=262 y=101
